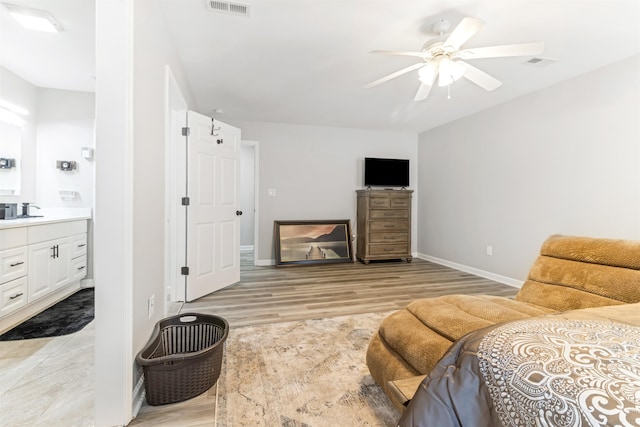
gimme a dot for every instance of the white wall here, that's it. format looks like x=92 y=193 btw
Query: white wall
x=65 y=124
x=562 y=160
x=316 y=171
x=132 y=53
x=153 y=51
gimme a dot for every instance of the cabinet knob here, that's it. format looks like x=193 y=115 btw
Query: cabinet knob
x=238 y=213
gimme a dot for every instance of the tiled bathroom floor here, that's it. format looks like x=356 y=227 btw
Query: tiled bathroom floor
x=48 y=381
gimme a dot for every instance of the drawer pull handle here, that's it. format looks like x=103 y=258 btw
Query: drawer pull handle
x=16 y=264
x=16 y=295
x=81 y=268
x=82 y=245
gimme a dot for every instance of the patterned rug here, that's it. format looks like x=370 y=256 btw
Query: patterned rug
x=309 y=373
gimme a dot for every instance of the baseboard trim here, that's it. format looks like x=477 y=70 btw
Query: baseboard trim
x=265 y=262
x=472 y=270
x=86 y=283
x=139 y=394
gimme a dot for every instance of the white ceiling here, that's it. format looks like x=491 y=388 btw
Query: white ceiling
x=306 y=61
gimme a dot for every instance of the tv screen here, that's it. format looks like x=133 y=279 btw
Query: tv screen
x=386 y=172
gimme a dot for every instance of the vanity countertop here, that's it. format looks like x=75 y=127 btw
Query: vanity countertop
x=49 y=219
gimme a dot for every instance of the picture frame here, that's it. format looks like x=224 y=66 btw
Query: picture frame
x=312 y=242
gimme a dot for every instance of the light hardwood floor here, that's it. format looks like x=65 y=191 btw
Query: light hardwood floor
x=270 y=294
x=264 y=295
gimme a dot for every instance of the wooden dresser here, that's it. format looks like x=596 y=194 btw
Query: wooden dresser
x=384 y=225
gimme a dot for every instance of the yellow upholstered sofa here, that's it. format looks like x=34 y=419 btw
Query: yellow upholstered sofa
x=570 y=273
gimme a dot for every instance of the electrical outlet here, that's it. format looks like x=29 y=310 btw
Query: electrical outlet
x=151 y=305
x=489 y=250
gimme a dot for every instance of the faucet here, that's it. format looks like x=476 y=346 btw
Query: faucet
x=25 y=208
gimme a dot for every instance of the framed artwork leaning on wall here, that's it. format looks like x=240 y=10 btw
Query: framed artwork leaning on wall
x=312 y=242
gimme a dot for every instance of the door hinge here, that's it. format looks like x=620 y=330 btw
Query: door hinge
x=184 y=271
x=186 y=131
x=185 y=201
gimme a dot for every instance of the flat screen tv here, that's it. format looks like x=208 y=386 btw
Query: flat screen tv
x=386 y=172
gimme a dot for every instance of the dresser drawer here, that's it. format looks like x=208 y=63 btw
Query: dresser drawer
x=399 y=202
x=397 y=225
x=389 y=237
x=13 y=295
x=78 y=245
x=400 y=250
x=78 y=268
x=390 y=213
x=379 y=202
x=13 y=264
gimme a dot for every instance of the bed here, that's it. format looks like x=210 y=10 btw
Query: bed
x=578 y=368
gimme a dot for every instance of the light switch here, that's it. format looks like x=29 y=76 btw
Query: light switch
x=271 y=192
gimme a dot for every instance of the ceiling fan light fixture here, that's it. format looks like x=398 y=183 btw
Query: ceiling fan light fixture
x=34 y=19
x=426 y=75
x=450 y=71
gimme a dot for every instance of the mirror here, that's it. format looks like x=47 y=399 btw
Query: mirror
x=10 y=148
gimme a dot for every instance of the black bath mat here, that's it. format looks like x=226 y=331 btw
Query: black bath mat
x=66 y=317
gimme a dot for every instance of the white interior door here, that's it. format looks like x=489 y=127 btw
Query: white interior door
x=213 y=221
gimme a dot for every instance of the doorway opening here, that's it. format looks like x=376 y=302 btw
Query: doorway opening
x=249 y=194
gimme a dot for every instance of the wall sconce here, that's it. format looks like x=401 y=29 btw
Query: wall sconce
x=7 y=163
x=65 y=165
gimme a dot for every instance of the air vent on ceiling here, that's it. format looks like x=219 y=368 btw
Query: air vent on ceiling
x=541 y=62
x=233 y=8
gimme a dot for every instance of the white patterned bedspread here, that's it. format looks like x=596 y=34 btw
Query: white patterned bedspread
x=575 y=369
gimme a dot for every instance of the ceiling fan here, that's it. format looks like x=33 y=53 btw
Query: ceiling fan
x=445 y=59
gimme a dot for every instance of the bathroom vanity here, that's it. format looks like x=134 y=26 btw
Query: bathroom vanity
x=42 y=261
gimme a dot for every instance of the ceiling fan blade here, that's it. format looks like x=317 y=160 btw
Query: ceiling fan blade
x=521 y=49
x=466 y=29
x=481 y=78
x=423 y=92
x=402 y=52
x=394 y=75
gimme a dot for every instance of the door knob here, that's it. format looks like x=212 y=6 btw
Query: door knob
x=238 y=213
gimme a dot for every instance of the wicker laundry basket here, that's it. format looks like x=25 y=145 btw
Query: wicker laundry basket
x=183 y=357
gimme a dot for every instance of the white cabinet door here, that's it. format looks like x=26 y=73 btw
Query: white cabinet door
x=60 y=265
x=40 y=257
x=49 y=267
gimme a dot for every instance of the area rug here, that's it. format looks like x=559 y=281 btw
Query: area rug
x=66 y=317
x=309 y=373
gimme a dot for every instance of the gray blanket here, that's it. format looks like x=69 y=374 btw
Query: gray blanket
x=579 y=368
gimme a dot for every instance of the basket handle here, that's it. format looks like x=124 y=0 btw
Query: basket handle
x=189 y=318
